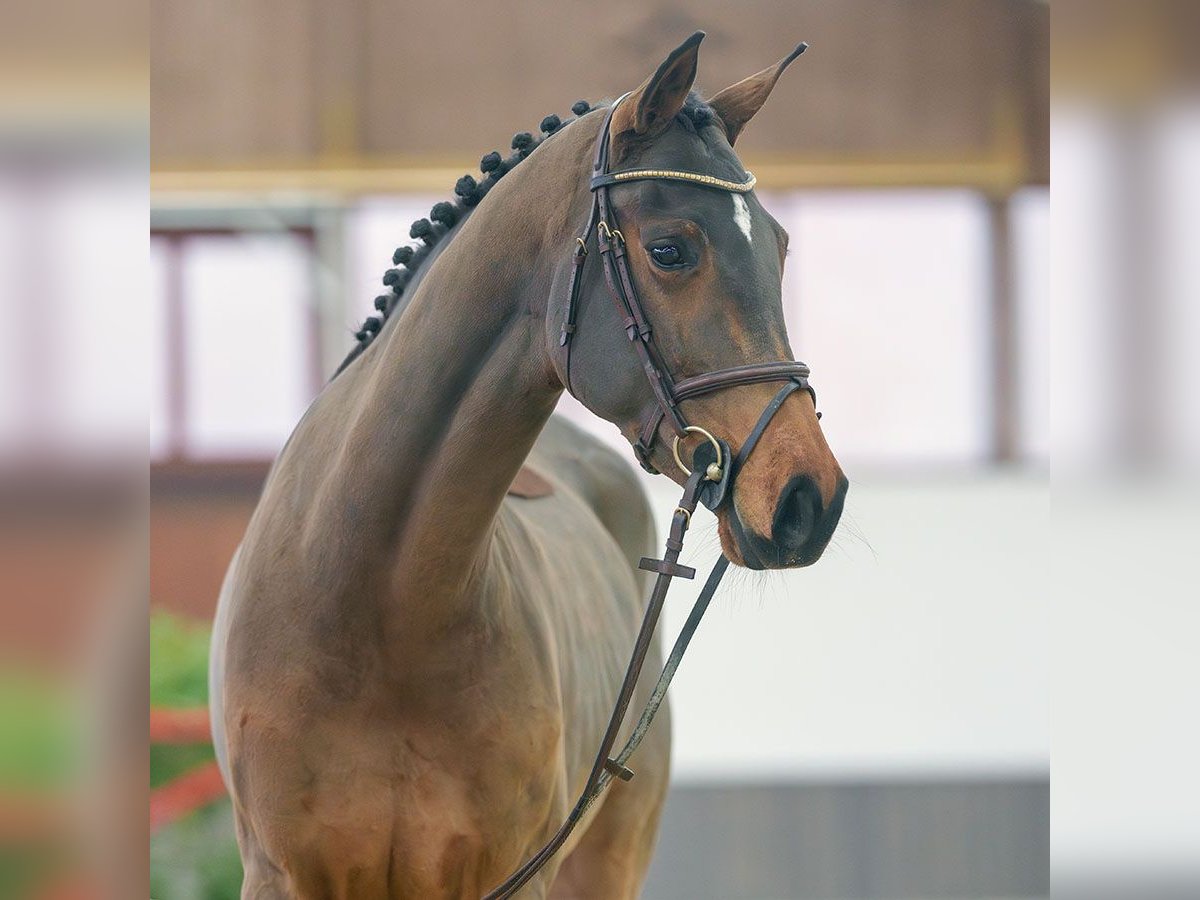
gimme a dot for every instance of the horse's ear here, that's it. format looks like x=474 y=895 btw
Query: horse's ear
x=652 y=106
x=737 y=104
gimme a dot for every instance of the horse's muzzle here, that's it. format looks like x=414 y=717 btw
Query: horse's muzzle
x=800 y=531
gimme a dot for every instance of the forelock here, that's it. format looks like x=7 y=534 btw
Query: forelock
x=695 y=114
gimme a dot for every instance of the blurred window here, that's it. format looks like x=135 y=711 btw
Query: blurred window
x=1176 y=199
x=10 y=313
x=1031 y=287
x=886 y=294
x=72 y=311
x=1084 y=284
x=99 y=356
x=375 y=227
x=161 y=272
x=239 y=306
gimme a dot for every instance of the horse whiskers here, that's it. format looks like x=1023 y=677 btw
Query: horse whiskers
x=850 y=529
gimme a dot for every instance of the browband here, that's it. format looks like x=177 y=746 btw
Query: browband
x=711 y=181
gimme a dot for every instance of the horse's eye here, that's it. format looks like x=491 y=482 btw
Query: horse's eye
x=667 y=256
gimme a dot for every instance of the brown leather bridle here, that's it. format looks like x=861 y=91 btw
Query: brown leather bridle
x=708 y=481
x=668 y=393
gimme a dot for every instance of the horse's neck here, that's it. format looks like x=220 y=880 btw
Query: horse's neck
x=447 y=406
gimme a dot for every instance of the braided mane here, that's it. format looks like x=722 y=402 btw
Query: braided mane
x=427 y=233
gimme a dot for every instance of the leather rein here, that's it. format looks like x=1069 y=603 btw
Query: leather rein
x=708 y=481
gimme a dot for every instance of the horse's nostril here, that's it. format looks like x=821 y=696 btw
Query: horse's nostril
x=797 y=514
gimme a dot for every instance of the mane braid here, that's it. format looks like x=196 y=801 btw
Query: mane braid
x=427 y=233
x=468 y=191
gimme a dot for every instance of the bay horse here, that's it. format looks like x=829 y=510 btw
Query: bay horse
x=419 y=640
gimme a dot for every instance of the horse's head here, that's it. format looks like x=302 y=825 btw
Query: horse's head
x=707 y=267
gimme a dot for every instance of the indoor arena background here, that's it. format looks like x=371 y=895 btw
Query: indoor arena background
x=876 y=727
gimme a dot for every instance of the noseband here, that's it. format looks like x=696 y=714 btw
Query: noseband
x=708 y=481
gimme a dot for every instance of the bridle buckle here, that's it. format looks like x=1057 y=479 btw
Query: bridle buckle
x=609 y=233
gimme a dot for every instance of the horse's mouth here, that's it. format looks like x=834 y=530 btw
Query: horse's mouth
x=737 y=544
x=747 y=549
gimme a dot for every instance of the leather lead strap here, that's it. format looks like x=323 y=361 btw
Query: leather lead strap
x=606 y=767
x=673 y=660
x=593 y=785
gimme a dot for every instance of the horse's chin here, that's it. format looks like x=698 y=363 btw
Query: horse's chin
x=734 y=543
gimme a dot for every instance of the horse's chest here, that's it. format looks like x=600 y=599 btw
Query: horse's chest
x=420 y=797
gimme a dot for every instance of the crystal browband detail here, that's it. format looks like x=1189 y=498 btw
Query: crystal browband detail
x=739 y=187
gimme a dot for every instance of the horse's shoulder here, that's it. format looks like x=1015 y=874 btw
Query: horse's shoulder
x=603 y=479
x=576 y=455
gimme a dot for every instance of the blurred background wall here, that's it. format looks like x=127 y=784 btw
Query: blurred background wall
x=871 y=727
x=875 y=727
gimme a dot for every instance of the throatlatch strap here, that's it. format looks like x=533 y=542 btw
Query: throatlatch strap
x=578 y=259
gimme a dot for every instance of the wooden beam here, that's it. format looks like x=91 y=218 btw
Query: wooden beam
x=995 y=175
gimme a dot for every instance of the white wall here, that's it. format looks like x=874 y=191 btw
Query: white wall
x=917 y=645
